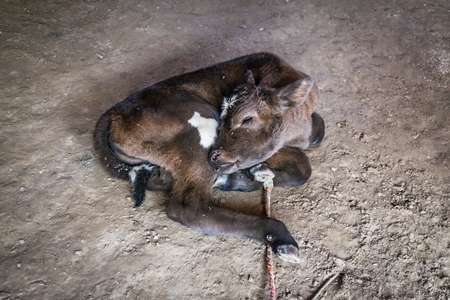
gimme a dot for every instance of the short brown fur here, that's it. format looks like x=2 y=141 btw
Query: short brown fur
x=151 y=127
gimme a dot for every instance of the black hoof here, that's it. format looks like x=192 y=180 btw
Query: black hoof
x=288 y=253
x=318 y=130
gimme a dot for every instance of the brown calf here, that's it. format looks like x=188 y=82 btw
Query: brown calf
x=161 y=138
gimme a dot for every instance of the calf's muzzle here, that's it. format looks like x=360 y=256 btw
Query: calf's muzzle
x=221 y=159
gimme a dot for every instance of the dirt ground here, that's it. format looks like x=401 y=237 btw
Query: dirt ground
x=376 y=208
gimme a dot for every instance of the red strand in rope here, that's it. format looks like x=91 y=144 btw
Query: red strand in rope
x=268 y=185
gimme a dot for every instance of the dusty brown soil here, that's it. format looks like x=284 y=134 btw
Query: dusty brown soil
x=376 y=208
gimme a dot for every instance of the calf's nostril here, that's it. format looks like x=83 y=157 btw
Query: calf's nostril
x=215 y=155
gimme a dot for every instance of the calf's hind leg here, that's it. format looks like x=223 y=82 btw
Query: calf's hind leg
x=291 y=167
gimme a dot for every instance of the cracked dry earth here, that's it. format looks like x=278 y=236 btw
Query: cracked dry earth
x=376 y=208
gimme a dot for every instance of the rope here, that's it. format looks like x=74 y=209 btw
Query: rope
x=267 y=179
x=268 y=185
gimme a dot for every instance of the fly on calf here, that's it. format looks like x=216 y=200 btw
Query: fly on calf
x=164 y=137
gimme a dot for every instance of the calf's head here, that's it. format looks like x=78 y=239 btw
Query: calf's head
x=256 y=123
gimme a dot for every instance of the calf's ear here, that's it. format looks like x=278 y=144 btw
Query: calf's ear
x=295 y=93
x=249 y=79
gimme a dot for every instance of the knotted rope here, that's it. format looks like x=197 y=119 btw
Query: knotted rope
x=266 y=177
x=263 y=174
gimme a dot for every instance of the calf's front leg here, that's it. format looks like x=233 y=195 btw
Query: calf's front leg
x=290 y=165
x=196 y=212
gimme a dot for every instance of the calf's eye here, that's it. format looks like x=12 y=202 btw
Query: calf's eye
x=247 y=120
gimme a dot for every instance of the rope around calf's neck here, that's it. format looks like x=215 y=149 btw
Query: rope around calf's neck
x=268 y=185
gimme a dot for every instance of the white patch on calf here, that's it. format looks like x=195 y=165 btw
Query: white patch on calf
x=207 y=129
x=227 y=104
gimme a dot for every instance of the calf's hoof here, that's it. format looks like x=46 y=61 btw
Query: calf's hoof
x=288 y=253
x=318 y=130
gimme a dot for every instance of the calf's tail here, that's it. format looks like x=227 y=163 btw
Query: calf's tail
x=137 y=171
x=104 y=148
